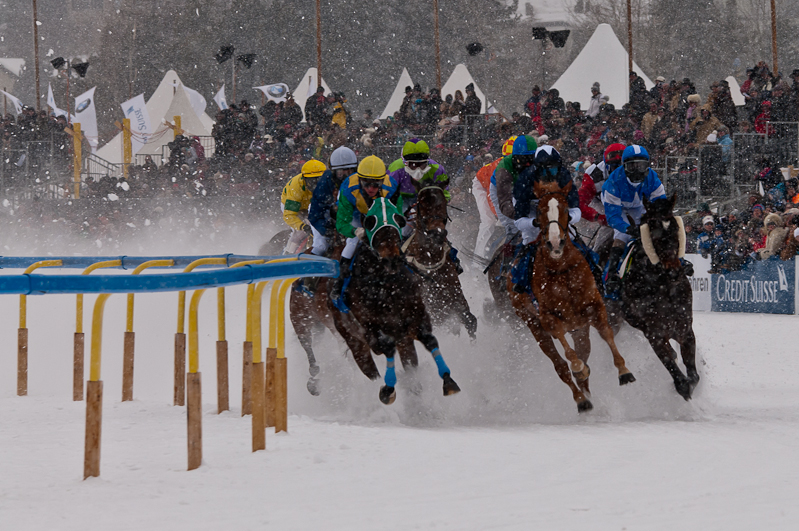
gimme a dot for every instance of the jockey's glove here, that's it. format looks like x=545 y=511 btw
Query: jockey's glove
x=633 y=231
x=307 y=229
x=360 y=233
x=525 y=223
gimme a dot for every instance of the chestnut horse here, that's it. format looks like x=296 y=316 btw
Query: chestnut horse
x=427 y=250
x=656 y=295
x=386 y=309
x=565 y=288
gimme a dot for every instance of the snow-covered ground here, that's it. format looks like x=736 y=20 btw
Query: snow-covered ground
x=509 y=452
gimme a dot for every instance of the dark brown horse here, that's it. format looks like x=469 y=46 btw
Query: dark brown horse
x=427 y=250
x=564 y=285
x=386 y=310
x=656 y=295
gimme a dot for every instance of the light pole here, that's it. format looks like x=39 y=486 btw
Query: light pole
x=319 y=43
x=776 y=69
x=557 y=37
x=80 y=68
x=36 y=55
x=226 y=52
x=630 y=36
x=438 y=46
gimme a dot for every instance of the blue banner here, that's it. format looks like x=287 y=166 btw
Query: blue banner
x=763 y=287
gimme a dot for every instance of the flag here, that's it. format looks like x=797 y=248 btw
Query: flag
x=276 y=92
x=51 y=102
x=136 y=110
x=220 y=99
x=15 y=101
x=86 y=116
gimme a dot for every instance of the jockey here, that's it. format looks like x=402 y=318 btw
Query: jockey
x=322 y=212
x=296 y=198
x=480 y=189
x=590 y=193
x=622 y=196
x=356 y=195
x=501 y=190
x=416 y=170
x=548 y=167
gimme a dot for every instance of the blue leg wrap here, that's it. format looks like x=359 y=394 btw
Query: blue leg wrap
x=391 y=375
x=440 y=363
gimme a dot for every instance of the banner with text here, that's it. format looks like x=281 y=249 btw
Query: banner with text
x=700 y=282
x=136 y=110
x=763 y=287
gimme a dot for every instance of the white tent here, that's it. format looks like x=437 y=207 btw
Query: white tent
x=189 y=122
x=603 y=59
x=395 y=102
x=458 y=80
x=157 y=107
x=307 y=87
x=735 y=91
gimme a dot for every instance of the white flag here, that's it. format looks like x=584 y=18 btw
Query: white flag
x=86 y=116
x=136 y=110
x=51 y=102
x=220 y=99
x=276 y=92
x=15 y=101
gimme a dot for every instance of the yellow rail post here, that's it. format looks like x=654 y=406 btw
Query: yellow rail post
x=222 y=373
x=76 y=158
x=177 y=130
x=94 y=394
x=22 y=333
x=130 y=337
x=194 y=388
x=246 y=365
x=78 y=346
x=281 y=365
x=258 y=404
x=127 y=148
x=180 y=336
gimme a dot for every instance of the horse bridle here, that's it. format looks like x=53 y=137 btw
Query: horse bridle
x=565 y=200
x=419 y=219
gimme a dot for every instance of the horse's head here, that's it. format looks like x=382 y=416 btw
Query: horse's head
x=553 y=215
x=431 y=213
x=383 y=224
x=662 y=234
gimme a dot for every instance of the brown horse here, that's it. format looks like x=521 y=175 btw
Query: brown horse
x=564 y=285
x=427 y=250
x=656 y=295
x=386 y=310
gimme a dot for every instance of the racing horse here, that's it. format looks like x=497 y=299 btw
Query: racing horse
x=386 y=312
x=428 y=252
x=656 y=296
x=565 y=289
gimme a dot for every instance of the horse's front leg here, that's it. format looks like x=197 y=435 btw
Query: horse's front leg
x=582 y=346
x=426 y=337
x=384 y=344
x=688 y=353
x=598 y=317
x=666 y=355
x=555 y=327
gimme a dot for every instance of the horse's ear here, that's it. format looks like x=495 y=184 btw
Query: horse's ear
x=672 y=201
x=568 y=187
x=399 y=220
x=537 y=188
x=369 y=222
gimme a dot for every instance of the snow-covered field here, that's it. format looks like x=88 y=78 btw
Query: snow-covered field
x=509 y=452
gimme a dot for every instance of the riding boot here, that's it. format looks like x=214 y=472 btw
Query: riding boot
x=687 y=267
x=453 y=255
x=613 y=282
x=338 y=284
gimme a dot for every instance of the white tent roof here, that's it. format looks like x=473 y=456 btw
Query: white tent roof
x=603 y=59
x=157 y=107
x=395 y=102
x=307 y=87
x=14 y=66
x=458 y=80
x=189 y=122
x=735 y=91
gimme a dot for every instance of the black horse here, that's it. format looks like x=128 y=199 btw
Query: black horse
x=656 y=295
x=386 y=309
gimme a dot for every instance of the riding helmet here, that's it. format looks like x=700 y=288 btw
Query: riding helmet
x=313 y=168
x=610 y=153
x=371 y=167
x=523 y=153
x=507 y=147
x=415 y=149
x=548 y=161
x=636 y=163
x=343 y=157
x=634 y=152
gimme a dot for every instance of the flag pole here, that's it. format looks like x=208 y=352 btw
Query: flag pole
x=630 y=36
x=36 y=55
x=776 y=69
x=438 y=46
x=319 y=42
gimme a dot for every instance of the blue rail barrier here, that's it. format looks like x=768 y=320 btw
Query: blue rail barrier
x=130 y=262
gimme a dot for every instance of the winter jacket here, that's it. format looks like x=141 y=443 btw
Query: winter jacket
x=620 y=196
x=593 y=105
x=435 y=175
x=525 y=196
x=590 y=203
x=295 y=198
x=352 y=203
x=775 y=238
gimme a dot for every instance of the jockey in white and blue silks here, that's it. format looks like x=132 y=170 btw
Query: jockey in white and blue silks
x=622 y=195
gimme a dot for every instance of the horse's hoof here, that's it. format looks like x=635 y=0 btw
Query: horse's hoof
x=450 y=387
x=314 y=370
x=684 y=388
x=584 y=406
x=584 y=374
x=313 y=386
x=627 y=378
x=388 y=395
